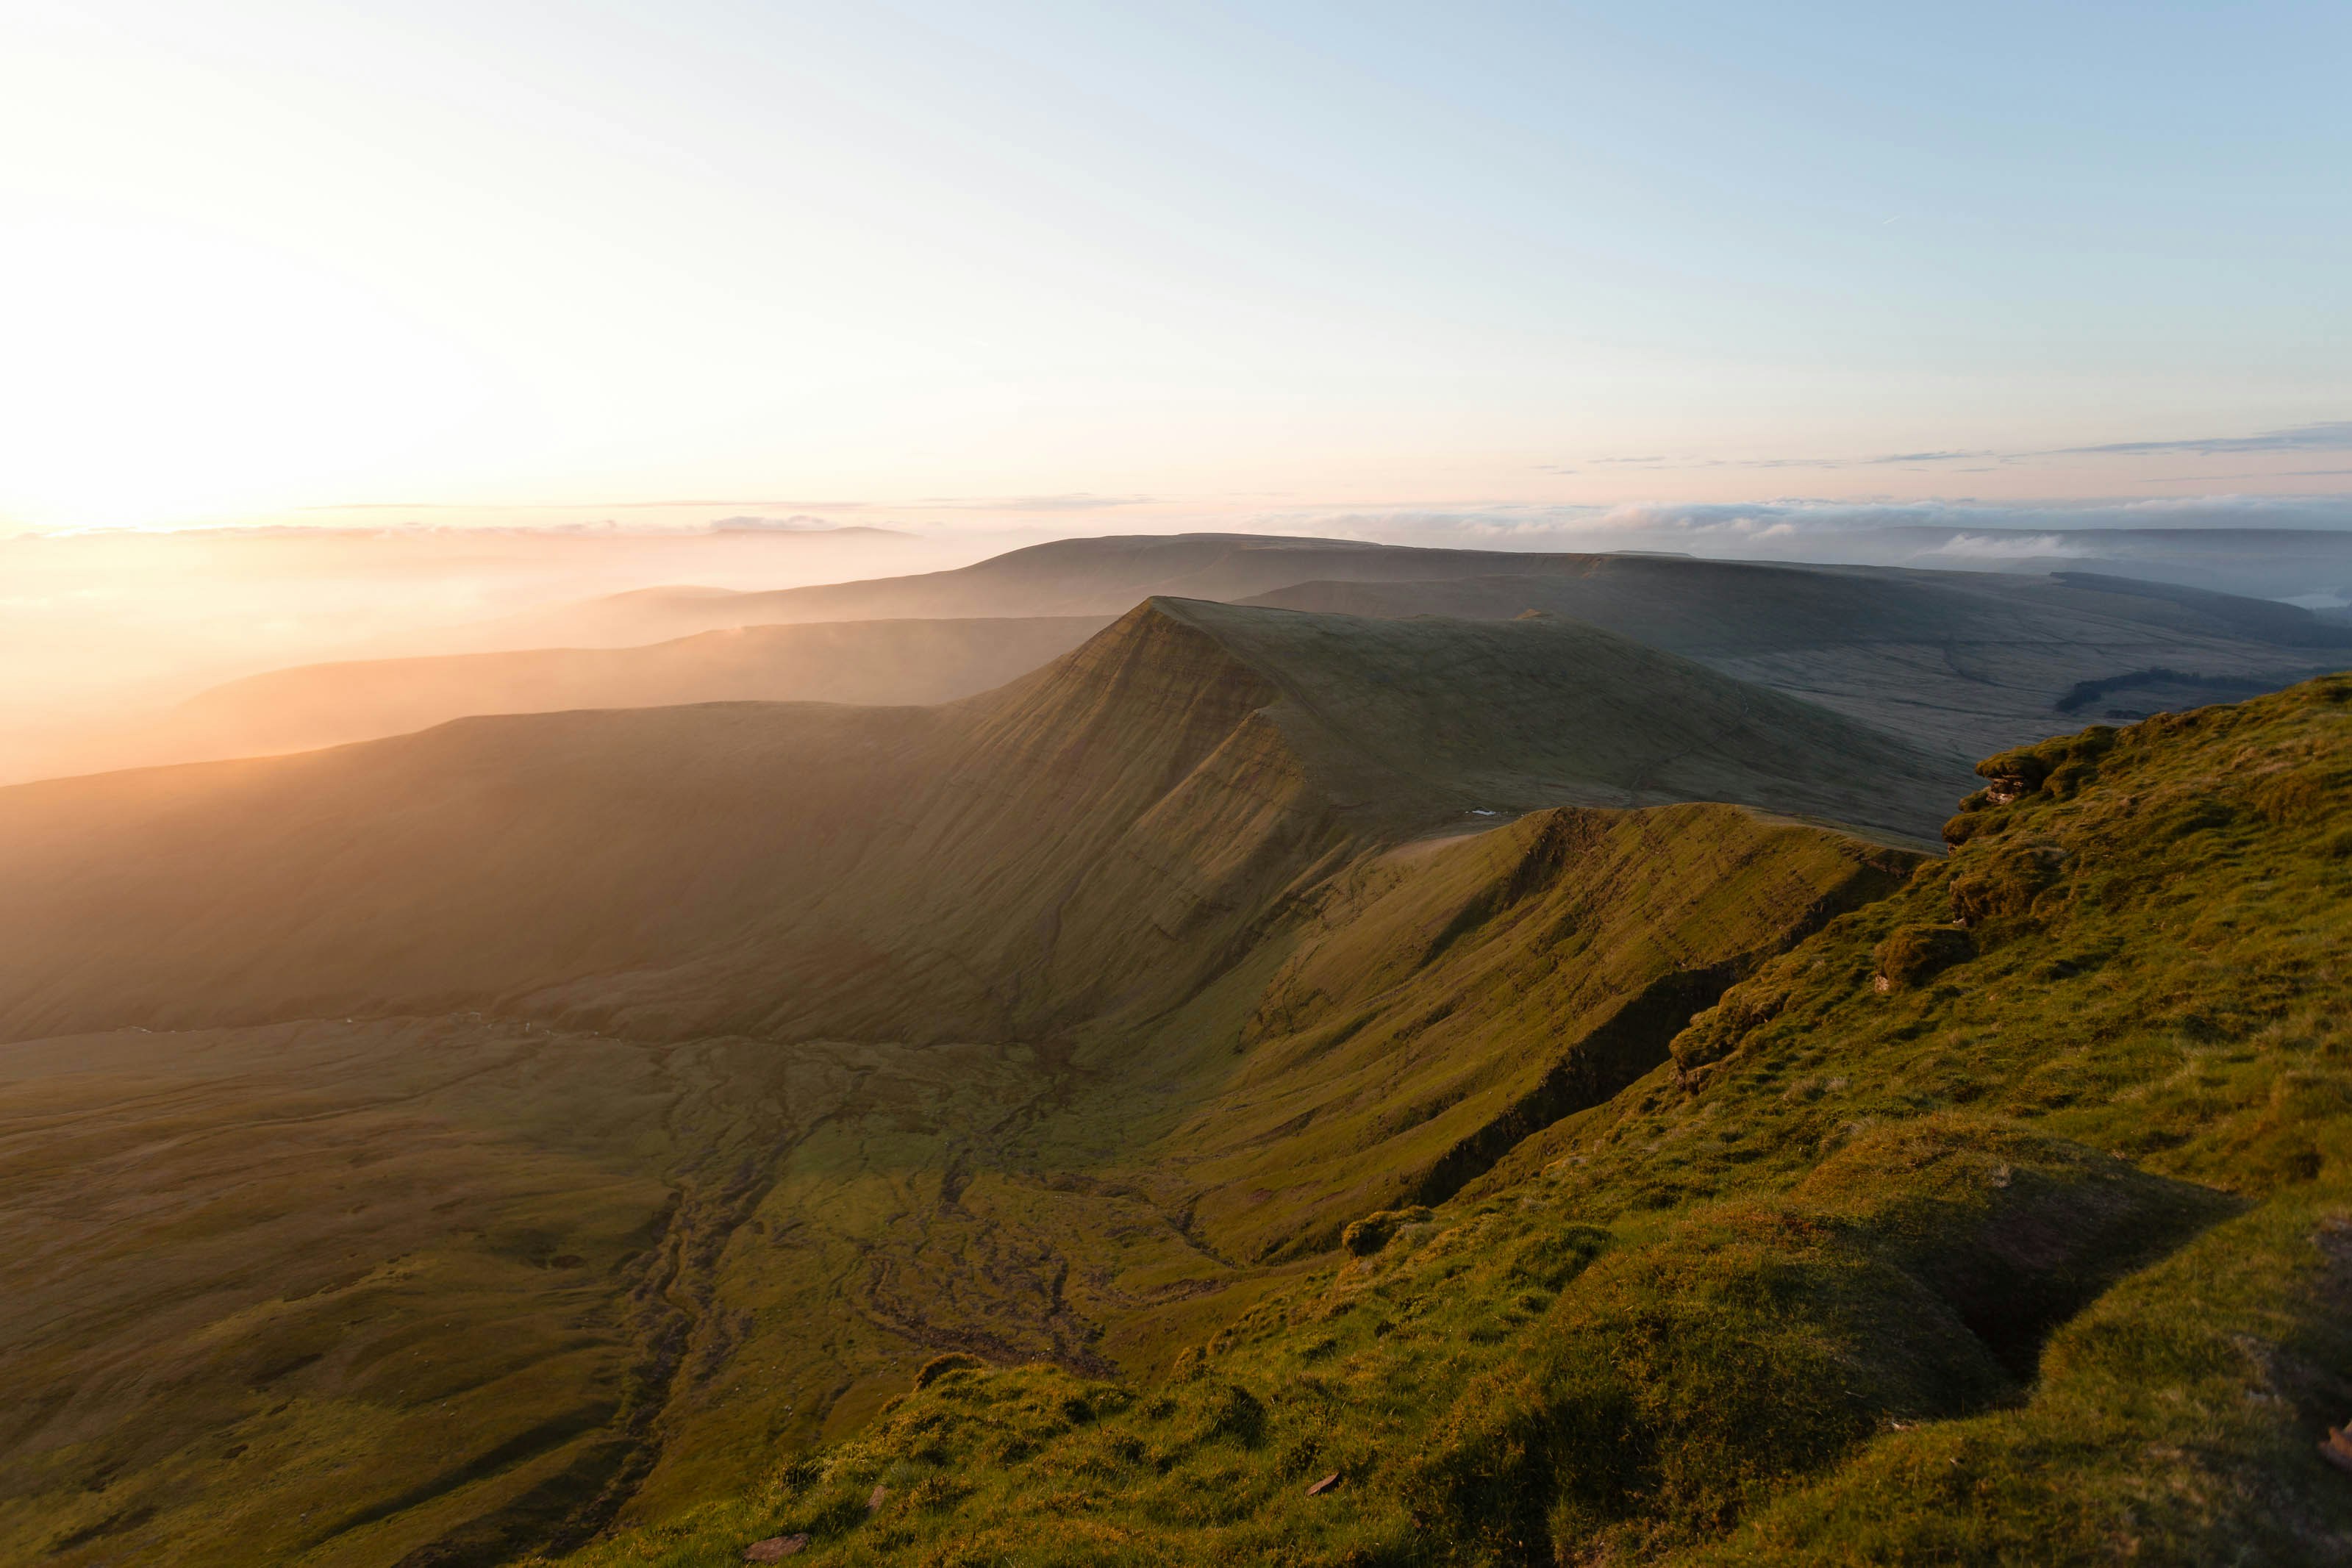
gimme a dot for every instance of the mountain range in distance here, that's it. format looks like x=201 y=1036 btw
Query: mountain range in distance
x=1961 y=662
x=1387 y=1056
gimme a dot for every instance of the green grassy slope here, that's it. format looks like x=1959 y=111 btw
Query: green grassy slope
x=2004 y=1219
x=398 y=1282
x=336 y=1292
x=1433 y=1004
x=1297 y=1140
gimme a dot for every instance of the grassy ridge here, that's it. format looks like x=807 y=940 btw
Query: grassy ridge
x=802 y=871
x=2020 y=1239
x=478 y=1283
x=1295 y=1145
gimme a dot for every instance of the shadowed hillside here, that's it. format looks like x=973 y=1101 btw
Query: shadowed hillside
x=1972 y=662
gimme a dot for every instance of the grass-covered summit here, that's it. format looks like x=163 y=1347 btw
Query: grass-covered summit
x=2006 y=1220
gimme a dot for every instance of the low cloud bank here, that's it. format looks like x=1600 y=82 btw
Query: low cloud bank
x=1776 y=523
x=2271 y=546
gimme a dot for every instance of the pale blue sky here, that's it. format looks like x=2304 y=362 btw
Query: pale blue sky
x=259 y=257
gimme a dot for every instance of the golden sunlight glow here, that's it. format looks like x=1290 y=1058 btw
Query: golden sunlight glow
x=164 y=375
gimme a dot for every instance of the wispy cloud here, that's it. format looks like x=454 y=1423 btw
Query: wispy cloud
x=2226 y=478
x=2011 y=546
x=487 y=507
x=2328 y=435
x=1890 y=459
x=1075 y=501
x=798 y=523
x=1794 y=529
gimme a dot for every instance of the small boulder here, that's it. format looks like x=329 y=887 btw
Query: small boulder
x=1369 y=1234
x=775 y=1549
x=1910 y=954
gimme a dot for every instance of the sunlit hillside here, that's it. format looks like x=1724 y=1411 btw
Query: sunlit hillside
x=1289 y=786
x=478 y=1142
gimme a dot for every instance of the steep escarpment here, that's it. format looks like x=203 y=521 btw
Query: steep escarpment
x=674 y=870
x=2003 y=1219
x=1092 y=838
x=1441 y=1002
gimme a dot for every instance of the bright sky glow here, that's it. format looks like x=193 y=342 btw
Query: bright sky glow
x=259 y=257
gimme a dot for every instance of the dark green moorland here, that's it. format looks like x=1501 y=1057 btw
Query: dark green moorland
x=2006 y=1220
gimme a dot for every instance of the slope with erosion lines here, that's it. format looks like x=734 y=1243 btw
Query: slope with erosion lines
x=445 y=1290
x=884 y=663
x=427 y=1289
x=1963 y=661
x=1434 y=1004
x=436 y=1291
x=2006 y=1220
x=801 y=871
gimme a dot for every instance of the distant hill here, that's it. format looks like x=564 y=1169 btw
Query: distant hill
x=1106 y=576
x=1970 y=662
x=867 y=663
x=1963 y=661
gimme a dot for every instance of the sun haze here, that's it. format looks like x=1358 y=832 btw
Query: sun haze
x=262 y=258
